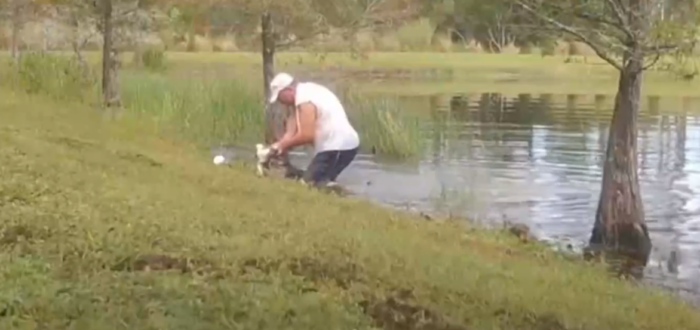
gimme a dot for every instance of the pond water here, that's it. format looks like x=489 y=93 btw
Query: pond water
x=536 y=159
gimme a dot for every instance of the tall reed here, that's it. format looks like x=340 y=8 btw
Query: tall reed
x=384 y=127
x=211 y=111
x=59 y=77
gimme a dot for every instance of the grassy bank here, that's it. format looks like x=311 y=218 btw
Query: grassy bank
x=206 y=107
x=93 y=210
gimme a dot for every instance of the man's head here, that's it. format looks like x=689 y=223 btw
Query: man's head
x=282 y=89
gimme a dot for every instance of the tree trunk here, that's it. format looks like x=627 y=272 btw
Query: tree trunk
x=268 y=59
x=76 y=42
x=275 y=117
x=620 y=224
x=191 y=40
x=16 y=29
x=110 y=93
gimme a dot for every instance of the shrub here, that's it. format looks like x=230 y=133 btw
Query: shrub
x=60 y=77
x=151 y=58
x=416 y=36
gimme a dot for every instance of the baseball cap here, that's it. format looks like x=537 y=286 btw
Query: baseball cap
x=279 y=82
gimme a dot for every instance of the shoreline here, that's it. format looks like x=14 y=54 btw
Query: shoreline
x=151 y=222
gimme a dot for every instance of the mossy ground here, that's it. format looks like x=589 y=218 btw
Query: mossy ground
x=105 y=225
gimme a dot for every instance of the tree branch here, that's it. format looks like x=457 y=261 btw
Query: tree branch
x=616 y=7
x=568 y=29
x=126 y=12
x=600 y=20
x=653 y=62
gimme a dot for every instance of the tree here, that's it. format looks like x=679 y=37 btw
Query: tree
x=114 y=19
x=492 y=22
x=17 y=11
x=630 y=36
x=283 y=24
x=189 y=15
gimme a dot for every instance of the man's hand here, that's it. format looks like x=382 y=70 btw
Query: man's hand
x=276 y=149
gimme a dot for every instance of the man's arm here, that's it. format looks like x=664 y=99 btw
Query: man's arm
x=305 y=128
x=290 y=123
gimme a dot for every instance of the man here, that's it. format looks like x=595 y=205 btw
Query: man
x=320 y=120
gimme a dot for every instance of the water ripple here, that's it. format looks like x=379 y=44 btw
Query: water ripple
x=540 y=163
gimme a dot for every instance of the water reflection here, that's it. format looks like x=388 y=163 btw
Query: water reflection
x=537 y=159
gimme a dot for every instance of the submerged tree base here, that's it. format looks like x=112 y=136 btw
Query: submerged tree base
x=622 y=265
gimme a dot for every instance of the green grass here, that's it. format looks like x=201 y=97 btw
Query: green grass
x=468 y=72
x=205 y=110
x=384 y=127
x=208 y=108
x=83 y=198
x=60 y=77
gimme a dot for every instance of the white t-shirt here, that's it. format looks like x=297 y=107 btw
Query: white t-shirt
x=333 y=129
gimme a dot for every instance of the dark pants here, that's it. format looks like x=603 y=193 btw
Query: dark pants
x=327 y=165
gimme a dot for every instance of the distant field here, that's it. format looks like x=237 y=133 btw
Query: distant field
x=435 y=72
x=386 y=60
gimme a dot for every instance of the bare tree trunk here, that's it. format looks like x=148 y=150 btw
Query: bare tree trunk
x=16 y=29
x=268 y=58
x=620 y=224
x=76 y=42
x=191 y=40
x=110 y=93
x=275 y=117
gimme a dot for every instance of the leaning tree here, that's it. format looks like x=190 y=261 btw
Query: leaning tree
x=632 y=36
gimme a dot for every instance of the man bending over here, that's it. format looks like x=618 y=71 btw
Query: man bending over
x=320 y=120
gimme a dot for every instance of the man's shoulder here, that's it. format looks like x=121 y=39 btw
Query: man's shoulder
x=309 y=86
x=309 y=92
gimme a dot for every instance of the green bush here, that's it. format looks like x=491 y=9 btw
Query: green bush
x=60 y=77
x=416 y=36
x=151 y=58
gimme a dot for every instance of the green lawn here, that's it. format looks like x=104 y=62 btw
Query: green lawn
x=472 y=72
x=105 y=225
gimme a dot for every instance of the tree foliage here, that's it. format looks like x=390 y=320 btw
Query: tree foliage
x=617 y=28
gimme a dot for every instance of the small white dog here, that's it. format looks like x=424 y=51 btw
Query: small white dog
x=264 y=155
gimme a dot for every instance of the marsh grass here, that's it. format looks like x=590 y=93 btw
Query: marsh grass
x=103 y=223
x=209 y=111
x=150 y=58
x=60 y=77
x=384 y=127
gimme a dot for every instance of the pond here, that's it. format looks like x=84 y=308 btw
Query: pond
x=536 y=159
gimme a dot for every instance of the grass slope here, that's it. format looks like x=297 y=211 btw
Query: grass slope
x=106 y=226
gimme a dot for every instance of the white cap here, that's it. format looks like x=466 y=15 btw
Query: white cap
x=279 y=82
